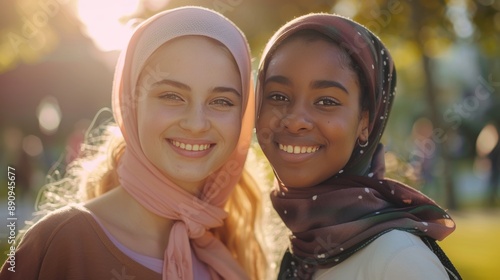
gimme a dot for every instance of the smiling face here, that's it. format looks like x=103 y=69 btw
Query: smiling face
x=189 y=109
x=310 y=115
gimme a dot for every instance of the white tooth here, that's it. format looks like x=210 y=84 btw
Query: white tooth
x=177 y=143
x=189 y=147
x=183 y=146
x=281 y=147
x=296 y=150
x=289 y=149
x=206 y=147
x=196 y=147
x=309 y=149
x=303 y=150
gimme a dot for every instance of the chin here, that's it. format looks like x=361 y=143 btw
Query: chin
x=300 y=182
x=294 y=183
x=300 y=185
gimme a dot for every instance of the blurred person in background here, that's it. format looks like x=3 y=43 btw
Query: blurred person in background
x=494 y=176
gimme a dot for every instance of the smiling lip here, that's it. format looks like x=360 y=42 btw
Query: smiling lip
x=297 y=153
x=292 y=149
x=194 y=149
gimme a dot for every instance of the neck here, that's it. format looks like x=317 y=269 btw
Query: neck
x=192 y=188
x=140 y=216
x=131 y=223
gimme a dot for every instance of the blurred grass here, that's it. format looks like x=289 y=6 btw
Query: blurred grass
x=474 y=247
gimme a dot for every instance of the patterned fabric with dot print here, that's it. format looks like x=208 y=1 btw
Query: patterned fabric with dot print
x=356 y=205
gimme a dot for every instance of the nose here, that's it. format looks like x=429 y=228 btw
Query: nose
x=195 y=119
x=296 y=120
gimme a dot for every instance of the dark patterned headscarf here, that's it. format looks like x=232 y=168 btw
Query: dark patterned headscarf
x=355 y=206
x=368 y=53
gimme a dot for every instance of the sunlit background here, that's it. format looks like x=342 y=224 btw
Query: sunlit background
x=105 y=22
x=56 y=67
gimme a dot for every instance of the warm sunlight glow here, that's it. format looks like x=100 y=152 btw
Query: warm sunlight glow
x=32 y=145
x=102 y=20
x=486 y=141
x=49 y=115
x=345 y=8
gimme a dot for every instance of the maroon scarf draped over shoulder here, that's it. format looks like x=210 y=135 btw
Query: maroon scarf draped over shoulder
x=334 y=219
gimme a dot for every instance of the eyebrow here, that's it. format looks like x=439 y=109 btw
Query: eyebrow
x=278 y=79
x=226 y=89
x=319 y=84
x=186 y=87
x=172 y=83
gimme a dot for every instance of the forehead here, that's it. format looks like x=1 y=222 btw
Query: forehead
x=190 y=44
x=305 y=55
x=194 y=56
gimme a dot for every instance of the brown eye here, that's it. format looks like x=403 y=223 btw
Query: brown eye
x=278 y=97
x=170 y=96
x=327 y=101
x=224 y=102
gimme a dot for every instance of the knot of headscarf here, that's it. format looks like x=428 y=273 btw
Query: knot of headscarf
x=334 y=219
x=193 y=216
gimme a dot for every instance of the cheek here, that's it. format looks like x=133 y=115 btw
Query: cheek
x=265 y=126
x=142 y=119
x=233 y=130
x=151 y=121
x=270 y=118
x=144 y=127
x=264 y=121
x=342 y=130
x=229 y=126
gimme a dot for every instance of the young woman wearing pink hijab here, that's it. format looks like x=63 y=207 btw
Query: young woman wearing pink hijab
x=173 y=201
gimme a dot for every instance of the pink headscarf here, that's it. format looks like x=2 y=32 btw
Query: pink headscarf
x=193 y=216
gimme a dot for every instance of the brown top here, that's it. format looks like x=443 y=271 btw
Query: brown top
x=70 y=244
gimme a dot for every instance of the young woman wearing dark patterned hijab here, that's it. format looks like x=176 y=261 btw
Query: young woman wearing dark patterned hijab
x=325 y=89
